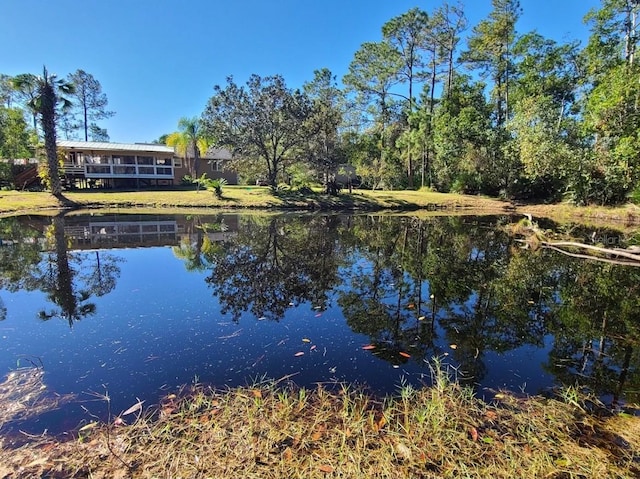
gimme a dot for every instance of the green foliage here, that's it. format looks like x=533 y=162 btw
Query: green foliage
x=214 y=185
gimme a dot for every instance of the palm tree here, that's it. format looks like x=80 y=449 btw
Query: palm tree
x=190 y=139
x=49 y=93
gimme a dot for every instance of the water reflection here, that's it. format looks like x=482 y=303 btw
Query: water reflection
x=68 y=278
x=459 y=288
x=423 y=288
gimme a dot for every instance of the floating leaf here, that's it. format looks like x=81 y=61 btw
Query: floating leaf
x=318 y=315
x=499 y=396
x=404 y=355
x=473 y=432
x=171 y=396
x=312 y=347
x=325 y=468
x=453 y=346
x=299 y=353
x=306 y=340
x=86 y=427
x=136 y=407
x=369 y=347
x=422 y=318
x=411 y=306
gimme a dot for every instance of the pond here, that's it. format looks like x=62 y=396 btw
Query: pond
x=131 y=307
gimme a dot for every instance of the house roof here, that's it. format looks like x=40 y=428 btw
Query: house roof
x=213 y=153
x=107 y=146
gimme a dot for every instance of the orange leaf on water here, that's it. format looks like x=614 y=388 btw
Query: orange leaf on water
x=405 y=355
x=325 y=468
x=369 y=347
x=299 y=353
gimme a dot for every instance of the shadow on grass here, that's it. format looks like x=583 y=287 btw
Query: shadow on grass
x=322 y=201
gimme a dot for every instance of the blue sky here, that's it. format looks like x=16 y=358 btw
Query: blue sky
x=158 y=60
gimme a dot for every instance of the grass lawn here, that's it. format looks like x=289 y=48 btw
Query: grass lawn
x=13 y=202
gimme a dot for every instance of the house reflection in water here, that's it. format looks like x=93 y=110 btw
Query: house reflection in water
x=112 y=231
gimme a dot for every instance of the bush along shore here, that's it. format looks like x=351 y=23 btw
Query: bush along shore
x=274 y=429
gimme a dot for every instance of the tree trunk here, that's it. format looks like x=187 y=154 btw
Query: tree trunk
x=48 y=112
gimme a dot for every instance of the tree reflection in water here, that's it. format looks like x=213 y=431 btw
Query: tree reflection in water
x=69 y=278
x=438 y=286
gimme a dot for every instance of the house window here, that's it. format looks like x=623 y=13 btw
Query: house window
x=145 y=160
x=163 y=161
x=97 y=159
x=124 y=160
x=177 y=162
x=216 y=165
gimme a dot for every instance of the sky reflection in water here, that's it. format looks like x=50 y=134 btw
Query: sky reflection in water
x=227 y=300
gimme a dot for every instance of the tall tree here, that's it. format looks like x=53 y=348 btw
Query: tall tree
x=327 y=102
x=49 y=93
x=190 y=142
x=407 y=34
x=371 y=76
x=489 y=49
x=612 y=106
x=90 y=100
x=264 y=121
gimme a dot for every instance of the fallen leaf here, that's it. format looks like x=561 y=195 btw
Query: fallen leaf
x=499 y=396
x=381 y=423
x=491 y=415
x=403 y=451
x=171 y=396
x=256 y=393
x=312 y=347
x=405 y=355
x=136 y=407
x=422 y=318
x=316 y=435
x=306 y=340
x=299 y=353
x=369 y=347
x=473 y=432
x=411 y=306
x=118 y=421
x=453 y=346
x=287 y=454
x=318 y=315
x=326 y=468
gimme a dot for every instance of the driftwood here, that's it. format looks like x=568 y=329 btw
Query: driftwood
x=535 y=238
x=622 y=262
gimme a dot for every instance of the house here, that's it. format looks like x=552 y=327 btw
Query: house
x=117 y=165
x=215 y=163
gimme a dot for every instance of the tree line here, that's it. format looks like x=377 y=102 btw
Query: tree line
x=436 y=104
x=432 y=104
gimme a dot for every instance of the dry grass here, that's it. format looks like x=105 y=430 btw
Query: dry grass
x=271 y=430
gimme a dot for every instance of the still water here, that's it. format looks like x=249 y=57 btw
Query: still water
x=132 y=307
